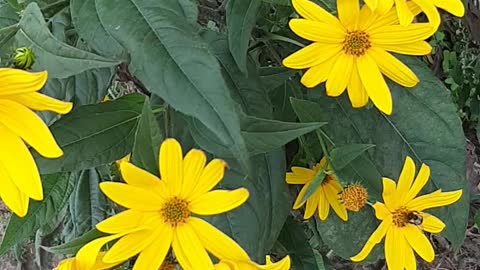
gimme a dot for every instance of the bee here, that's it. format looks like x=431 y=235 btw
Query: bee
x=415 y=218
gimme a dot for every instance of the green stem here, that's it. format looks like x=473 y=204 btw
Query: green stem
x=166 y=121
x=284 y=39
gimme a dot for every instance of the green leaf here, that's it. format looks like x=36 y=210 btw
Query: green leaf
x=190 y=78
x=87 y=203
x=72 y=247
x=295 y=241
x=241 y=18
x=56 y=190
x=8 y=15
x=59 y=59
x=343 y=155
x=424 y=125
x=314 y=185
x=94 y=135
x=91 y=86
x=147 y=141
x=90 y=29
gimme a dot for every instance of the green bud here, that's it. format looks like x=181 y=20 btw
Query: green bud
x=24 y=58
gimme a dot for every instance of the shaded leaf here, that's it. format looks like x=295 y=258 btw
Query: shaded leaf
x=343 y=155
x=73 y=246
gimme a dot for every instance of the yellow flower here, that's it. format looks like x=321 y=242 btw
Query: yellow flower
x=19 y=177
x=283 y=264
x=326 y=195
x=160 y=214
x=352 y=51
x=429 y=7
x=404 y=220
x=71 y=264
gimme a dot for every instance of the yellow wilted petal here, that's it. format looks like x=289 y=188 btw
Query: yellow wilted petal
x=171 y=165
x=154 y=254
x=39 y=102
x=29 y=127
x=17 y=81
x=419 y=242
x=132 y=197
x=188 y=249
x=374 y=239
x=218 y=201
x=18 y=163
x=216 y=242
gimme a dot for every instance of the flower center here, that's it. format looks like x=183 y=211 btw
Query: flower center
x=356 y=43
x=401 y=217
x=168 y=265
x=354 y=197
x=175 y=211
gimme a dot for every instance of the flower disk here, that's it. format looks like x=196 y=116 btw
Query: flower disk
x=354 y=197
x=352 y=51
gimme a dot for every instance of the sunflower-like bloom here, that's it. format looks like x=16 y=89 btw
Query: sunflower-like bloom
x=352 y=52
x=72 y=263
x=19 y=177
x=161 y=213
x=326 y=195
x=429 y=7
x=404 y=220
x=283 y=264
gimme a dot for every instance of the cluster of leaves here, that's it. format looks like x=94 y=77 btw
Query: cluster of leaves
x=226 y=93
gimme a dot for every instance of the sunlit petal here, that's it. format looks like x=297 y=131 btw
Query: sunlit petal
x=435 y=199
x=381 y=211
x=129 y=246
x=153 y=255
x=312 y=11
x=312 y=204
x=323 y=206
x=310 y=56
x=171 y=165
x=420 y=181
x=419 y=242
x=432 y=224
x=340 y=75
x=218 y=201
x=17 y=81
x=454 y=7
x=348 y=11
x=189 y=250
x=333 y=199
x=319 y=73
x=317 y=31
x=132 y=197
x=39 y=102
x=394 y=69
x=374 y=239
x=395 y=249
x=210 y=177
x=356 y=92
x=406 y=177
x=193 y=166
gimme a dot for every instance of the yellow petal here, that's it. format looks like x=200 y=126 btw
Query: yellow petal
x=323 y=206
x=311 y=56
x=381 y=211
x=210 y=177
x=395 y=248
x=312 y=11
x=319 y=73
x=87 y=255
x=397 y=34
x=171 y=165
x=340 y=75
x=297 y=203
x=419 y=242
x=374 y=84
x=312 y=204
x=317 y=31
x=16 y=81
x=432 y=224
x=406 y=177
x=299 y=176
x=283 y=264
x=374 y=239
x=138 y=177
x=188 y=249
x=410 y=260
x=421 y=180
x=131 y=196
x=430 y=11
x=356 y=92
x=389 y=18
x=67 y=264
x=333 y=199
x=100 y=265
x=405 y=16
x=384 y=6
x=14 y=199
x=454 y=7
x=39 y=102
x=122 y=222
x=29 y=127
x=393 y=68
x=388 y=195
x=348 y=11
x=18 y=163
x=415 y=48
x=218 y=201
x=129 y=246
x=154 y=254
x=372 y=4
x=435 y=199
x=216 y=242
x=193 y=166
